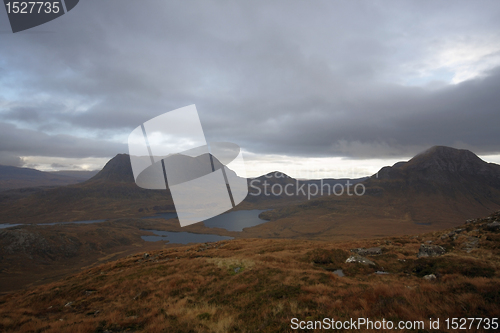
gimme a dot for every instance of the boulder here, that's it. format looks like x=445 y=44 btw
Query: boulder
x=430 y=277
x=493 y=226
x=430 y=251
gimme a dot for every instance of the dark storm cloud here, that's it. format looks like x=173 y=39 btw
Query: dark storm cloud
x=15 y=142
x=299 y=78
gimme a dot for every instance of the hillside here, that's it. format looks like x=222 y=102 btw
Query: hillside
x=110 y=193
x=260 y=285
x=39 y=254
x=13 y=178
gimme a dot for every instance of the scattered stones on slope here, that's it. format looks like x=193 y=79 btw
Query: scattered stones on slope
x=494 y=226
x=360 y=260
x=372 y=251
x=430 y=251
x=471 y=244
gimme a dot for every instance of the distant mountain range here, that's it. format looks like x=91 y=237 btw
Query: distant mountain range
x=437 y=188
x=79 y=174
x=13 y=177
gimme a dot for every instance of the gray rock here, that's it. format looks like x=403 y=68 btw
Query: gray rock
x=473 y=243
x=430 y=251
x=359 y=260
x=372 y=251
x=430 y=277
x=237 y=269
x=339 y=272
x=493 y=226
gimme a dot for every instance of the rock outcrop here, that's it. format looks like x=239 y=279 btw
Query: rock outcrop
x=430 y=251
x=360 y=260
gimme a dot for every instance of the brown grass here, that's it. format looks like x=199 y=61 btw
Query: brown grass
x=260 y=285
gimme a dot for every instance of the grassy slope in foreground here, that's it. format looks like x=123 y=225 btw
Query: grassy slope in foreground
x=260 y=285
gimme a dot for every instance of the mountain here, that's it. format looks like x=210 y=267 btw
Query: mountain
x=13 y=178
x=263 y=189
x=435 y=189
x=443 y=176
x=443 y=166
x=111 y=193
x=117 y=170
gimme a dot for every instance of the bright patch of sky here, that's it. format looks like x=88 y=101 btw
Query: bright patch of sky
x=454 y=61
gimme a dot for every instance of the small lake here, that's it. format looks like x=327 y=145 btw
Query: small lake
x=236 y=221
x=182 y=237
x=3 y=226
x=232 y=221
x=75 y=222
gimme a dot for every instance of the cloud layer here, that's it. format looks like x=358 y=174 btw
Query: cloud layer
x=323 y=79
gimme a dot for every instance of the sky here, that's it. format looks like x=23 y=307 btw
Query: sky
x=316 y=89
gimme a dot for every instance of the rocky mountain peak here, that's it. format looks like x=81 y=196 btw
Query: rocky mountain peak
x=118 y=169
x=448 y=159
x=443 y=164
